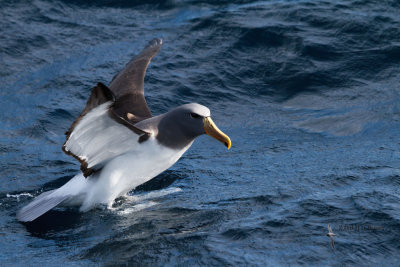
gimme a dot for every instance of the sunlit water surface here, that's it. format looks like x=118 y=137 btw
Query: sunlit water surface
x=308 y=91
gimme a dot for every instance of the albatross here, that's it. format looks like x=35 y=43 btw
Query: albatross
x=120 y=144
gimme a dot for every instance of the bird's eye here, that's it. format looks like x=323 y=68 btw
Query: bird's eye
x=194 y=115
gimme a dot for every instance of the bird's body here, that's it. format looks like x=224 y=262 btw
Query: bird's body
x=136 y=165
x=120 y=145
x=331 y=235
x=119 y=176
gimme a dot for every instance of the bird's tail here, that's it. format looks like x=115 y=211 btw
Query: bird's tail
x=40 y=205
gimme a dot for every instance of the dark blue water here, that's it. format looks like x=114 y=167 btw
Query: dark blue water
x=308 y=91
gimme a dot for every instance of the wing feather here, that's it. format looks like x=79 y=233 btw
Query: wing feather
x=96 y=136
x=127 y=86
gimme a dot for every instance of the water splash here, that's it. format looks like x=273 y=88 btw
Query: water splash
x=136 y=208
x=138 y=202
x=154 y=194
x=17 y=196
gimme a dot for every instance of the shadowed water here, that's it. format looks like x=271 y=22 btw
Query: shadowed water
x=308 y=91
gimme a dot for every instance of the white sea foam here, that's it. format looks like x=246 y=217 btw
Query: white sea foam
x=153 y=194
x=138 y=207
x=143 y=201
x=17 y=196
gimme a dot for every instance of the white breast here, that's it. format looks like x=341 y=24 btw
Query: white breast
x=127 y=171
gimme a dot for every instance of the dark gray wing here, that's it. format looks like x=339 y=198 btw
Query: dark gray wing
x=127 y=86
x=90 y=138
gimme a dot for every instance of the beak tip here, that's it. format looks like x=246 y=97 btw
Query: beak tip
x=228 y=145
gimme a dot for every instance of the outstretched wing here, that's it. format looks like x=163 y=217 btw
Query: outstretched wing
x=127 y=86
x=96 y=136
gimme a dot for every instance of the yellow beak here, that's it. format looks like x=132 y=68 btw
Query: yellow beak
x=212 y=130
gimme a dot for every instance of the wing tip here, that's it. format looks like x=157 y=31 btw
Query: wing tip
x=152 y=47
x=156 y=42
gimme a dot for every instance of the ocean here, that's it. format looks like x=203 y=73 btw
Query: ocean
x=308 y=91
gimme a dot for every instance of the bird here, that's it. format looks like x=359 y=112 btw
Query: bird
x=120 y=144
x=331 y=235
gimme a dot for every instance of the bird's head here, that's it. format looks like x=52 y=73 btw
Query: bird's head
x=191 y=121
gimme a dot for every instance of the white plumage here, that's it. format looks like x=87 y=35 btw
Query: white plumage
x=97 y=138
x=125 y=163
